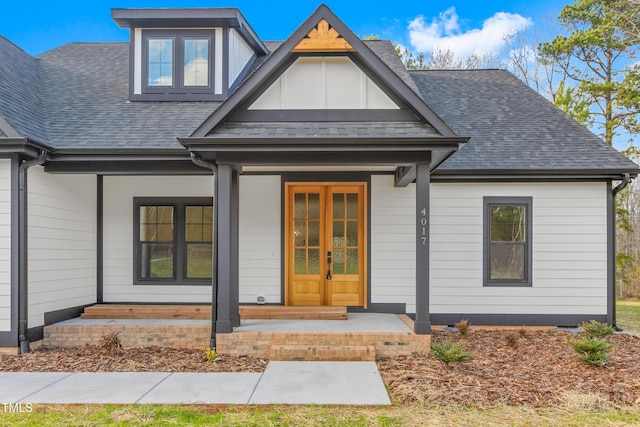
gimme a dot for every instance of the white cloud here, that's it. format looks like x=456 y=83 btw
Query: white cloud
x=444 y=32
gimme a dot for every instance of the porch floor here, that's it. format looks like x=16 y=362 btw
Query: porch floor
x=361 y=337
x=357 y=322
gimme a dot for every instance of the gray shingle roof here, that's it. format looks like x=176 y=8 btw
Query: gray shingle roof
x=20 y=100
x=321 y=129
x=83 y=103
x=385 y=51
x=510 y=125
x=86 y=92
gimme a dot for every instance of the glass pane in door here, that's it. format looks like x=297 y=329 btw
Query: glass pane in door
x=345 y=228
x=306 y=233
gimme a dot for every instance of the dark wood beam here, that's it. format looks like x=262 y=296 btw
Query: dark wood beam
x=404 y=175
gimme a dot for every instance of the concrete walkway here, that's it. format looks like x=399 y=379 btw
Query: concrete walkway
x=340 y=383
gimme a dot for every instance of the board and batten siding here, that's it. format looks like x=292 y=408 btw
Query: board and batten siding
x=119 y=192
x=239 y=55
x=62 y=242
x=5 y=245
x=569 y=246
x=260 y=238
x=393 y=242
x=323 y=83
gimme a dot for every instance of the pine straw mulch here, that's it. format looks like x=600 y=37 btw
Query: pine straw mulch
x=143 y=359
x=542 y=370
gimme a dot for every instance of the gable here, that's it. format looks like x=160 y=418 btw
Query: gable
x=323 y=82
x=351 y=77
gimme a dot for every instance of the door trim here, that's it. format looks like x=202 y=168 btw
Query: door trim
x=287 y=248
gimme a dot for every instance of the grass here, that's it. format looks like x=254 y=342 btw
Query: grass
x=397 y=415
x=628 y=315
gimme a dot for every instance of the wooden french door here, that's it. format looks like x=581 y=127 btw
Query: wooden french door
x=325 y=244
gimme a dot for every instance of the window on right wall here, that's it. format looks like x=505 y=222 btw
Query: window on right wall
x=507 y=241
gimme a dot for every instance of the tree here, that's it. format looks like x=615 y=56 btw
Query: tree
x=597 y=55
x=565 y=98
x=440 y=59
x=411 y=61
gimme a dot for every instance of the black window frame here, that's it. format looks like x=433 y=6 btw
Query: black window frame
x=179 y=205
x=178 y=37
x=527 y=203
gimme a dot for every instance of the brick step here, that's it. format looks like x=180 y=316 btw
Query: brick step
x=323 y=352
x=129 y=311
x=289 y=312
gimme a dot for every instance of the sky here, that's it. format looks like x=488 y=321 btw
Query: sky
x=463 y=26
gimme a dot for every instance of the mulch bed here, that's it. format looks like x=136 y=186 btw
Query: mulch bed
x=144 y=359
x=542 y=370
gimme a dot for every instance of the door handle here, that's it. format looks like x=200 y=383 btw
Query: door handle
x=328 y=265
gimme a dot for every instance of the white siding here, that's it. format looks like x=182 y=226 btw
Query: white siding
x=119 y=192
x=239 y=55
x=323 y=83
x=137 y=63
x=569 y=250
x=5 y=245
x=260 y=238
x=393 y=243
x=218 y=61
x=62 y=242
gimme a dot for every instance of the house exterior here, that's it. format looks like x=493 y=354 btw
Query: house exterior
x=197 y=163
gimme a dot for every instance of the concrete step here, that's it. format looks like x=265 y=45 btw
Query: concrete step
x=361 y=353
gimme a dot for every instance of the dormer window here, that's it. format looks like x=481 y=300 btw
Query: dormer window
x=177 y=61
x=188 y=54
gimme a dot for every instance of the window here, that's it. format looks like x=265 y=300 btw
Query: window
x=507 y=237
x=177 y=61
x=173 y=241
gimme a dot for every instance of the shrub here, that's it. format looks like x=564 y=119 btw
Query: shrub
x=592 y=351
x=110 y=342
x=513 y=340
x=462 y=327
x=522 y=332
x=595 y=329
x=447 y=352
x=212 y=356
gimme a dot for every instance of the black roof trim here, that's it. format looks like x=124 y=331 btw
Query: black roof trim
x=318 y=143
x=189 y=17
x=24 y=146
x=508 y=173
x=282 y=56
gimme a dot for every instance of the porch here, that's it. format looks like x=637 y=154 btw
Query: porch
x=361 y=336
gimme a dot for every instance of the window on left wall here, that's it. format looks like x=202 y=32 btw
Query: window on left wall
x=173 y=241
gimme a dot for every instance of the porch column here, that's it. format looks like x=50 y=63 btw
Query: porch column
x=422 y=323
x=227 y=273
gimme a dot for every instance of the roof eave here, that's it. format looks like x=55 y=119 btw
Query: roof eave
x=22 y=146
x=536 y=174
x=188 y=17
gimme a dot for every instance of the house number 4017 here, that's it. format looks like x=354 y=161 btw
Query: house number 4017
x=423 y=226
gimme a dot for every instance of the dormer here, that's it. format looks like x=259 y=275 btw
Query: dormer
x=187 y=54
